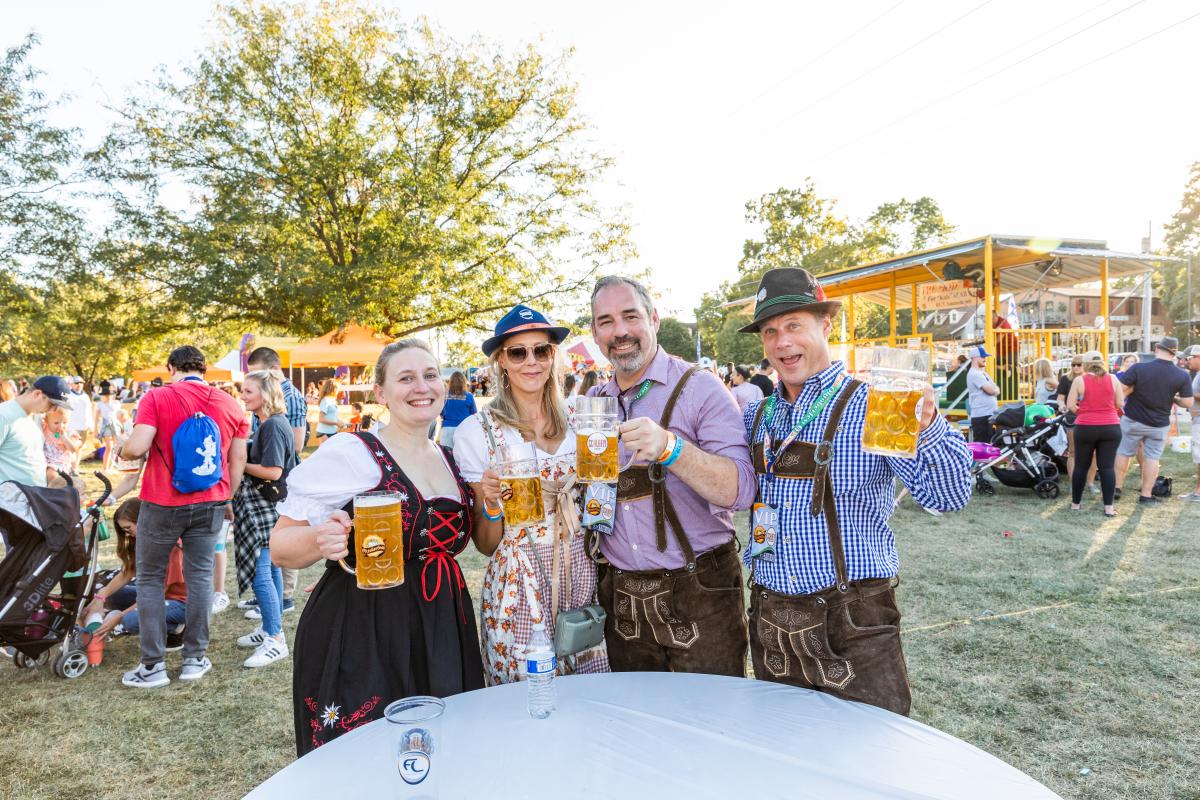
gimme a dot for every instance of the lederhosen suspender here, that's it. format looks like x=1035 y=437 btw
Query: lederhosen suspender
x=636 y=483
x=811 y=460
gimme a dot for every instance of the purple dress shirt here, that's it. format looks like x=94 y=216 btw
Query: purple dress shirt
x=706 y=416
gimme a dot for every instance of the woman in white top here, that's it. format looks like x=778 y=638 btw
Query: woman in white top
x=540 y=569
x=106 y=425
x=356 y=650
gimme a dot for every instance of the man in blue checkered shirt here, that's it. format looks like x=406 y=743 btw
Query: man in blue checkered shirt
x=823 y=612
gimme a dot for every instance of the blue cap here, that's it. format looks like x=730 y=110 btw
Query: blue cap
x=980 y=352
x=55 y=388
x=521 y=319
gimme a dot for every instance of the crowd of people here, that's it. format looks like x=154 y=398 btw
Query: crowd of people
x=780 y=439
x=1111 y=418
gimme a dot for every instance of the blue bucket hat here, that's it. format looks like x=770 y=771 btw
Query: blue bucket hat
x=523 y=318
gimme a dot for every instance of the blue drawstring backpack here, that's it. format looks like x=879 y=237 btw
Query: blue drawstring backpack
x=198 y=460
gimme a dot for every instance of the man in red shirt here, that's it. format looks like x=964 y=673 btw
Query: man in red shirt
x=169 y=515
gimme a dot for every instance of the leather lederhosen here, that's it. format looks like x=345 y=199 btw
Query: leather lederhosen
x=844 y=639
x=810 y=460
x=640 y=482
x=687 y=619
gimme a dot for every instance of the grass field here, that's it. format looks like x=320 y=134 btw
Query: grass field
x=1069 y=648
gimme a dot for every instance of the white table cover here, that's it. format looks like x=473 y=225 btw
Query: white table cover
x=662 y=735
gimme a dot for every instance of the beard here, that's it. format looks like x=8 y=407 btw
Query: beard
x=631 y=361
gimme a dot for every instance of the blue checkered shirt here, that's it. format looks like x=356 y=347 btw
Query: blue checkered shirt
x=864 y=490
x=297 y=408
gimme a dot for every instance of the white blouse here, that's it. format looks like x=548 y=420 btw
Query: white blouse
x=471 y=448
x=328 y=479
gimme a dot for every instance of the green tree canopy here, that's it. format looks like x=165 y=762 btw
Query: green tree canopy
x=345 y=166
x=676 y=338
x=800 y=228
x=1183 y=241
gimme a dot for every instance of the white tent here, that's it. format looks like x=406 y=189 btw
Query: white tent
x=232 y=362
x=585 y=348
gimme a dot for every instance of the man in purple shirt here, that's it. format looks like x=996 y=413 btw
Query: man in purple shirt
x=672 y=587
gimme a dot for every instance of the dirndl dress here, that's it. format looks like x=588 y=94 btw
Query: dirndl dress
x=357 y=650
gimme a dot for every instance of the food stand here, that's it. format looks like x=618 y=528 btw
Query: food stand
x=966 y=281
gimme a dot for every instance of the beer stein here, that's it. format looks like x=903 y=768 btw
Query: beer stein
x=596 y=459
x=520 y=485
x=378 y=540
x=898 y=380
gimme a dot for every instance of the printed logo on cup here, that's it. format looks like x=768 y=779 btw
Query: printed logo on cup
x=414 y=766
x=597 y=443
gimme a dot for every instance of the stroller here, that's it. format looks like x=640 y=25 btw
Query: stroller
x=45 y=530
x=1020 y=455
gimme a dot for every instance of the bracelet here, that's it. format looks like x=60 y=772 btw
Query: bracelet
x=675 y=451
x=666 y=453
x=489 y=515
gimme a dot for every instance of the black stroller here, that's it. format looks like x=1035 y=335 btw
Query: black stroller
x=45 y=531
x=1020 y=455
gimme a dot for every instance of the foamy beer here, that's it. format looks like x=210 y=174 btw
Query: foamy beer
x=378 y=540
x=520 y=487
x=898 y=382
x=596 y=459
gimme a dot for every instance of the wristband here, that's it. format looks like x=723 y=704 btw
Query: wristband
x=675 y=451
x=666 y=453
x=488 y=514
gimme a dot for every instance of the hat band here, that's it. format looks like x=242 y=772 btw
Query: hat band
x=529 y=326
x=806 y=299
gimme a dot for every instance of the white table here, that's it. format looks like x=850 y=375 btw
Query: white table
x=633 y=735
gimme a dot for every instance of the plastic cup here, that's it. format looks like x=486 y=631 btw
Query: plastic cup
x=414 y=725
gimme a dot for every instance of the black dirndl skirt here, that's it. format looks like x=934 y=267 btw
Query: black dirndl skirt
x=357 y=650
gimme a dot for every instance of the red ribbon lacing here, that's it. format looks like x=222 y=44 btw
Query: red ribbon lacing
x=439 y=557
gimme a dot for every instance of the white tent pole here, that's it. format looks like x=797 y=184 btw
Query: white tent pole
x=1147 y=299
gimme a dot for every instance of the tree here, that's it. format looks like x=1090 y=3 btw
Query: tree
x=799 y=228
x=1182 y=241
x=349 y=167
x=676 y=338
x=36 y=227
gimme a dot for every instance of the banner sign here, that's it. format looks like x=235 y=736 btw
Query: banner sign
x=945 y=295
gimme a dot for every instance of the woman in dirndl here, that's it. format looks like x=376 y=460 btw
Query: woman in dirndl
x=357 y=650
x=536 y=570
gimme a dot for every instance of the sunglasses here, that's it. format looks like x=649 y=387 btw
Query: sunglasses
x=519 y=352
x=1076 y=363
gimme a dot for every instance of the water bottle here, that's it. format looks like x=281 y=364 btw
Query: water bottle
x=540 y=665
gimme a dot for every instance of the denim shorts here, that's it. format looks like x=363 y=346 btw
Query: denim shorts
x=1134 y=433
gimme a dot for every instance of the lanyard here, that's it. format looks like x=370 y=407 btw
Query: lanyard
x=641 y=392
x=813 y=411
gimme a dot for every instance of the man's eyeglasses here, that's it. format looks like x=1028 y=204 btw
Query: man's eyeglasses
x=519 y=352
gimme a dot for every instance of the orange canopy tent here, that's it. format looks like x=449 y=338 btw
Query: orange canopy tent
x=351 y=346
x=212 y=374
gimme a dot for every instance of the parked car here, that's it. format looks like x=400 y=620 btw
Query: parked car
x=1117 y=358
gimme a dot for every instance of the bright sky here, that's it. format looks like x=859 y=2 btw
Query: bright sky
x=1066 y=118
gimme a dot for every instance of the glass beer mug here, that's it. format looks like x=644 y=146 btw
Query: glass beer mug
x=596 y=459
x=898 y=382
x=520 y=486
x=378 y=540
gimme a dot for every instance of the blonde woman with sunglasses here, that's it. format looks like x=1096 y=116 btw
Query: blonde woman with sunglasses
x=542 y=568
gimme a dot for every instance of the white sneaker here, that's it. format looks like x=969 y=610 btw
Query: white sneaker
x=220 y=602
x=147 y=678
x=253 y=639
x=254 y=613
x=195 y=668
x=268 y=652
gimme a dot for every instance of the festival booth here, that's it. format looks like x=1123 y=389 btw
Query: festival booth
x=947 y=290
x=586 y=352
x=213 y=374
x=350 y=346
